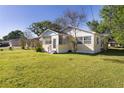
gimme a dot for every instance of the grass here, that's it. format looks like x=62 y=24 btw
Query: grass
x=27 y=68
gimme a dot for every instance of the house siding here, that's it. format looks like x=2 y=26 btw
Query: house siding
x=93 y=47
x=97 y=46
x=63 y=48
x=84 y=48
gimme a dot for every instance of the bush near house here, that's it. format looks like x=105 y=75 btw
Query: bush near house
x=10 y=48
x=38 y=46
x=39 y=49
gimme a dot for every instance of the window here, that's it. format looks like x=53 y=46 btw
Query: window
x=62 y=39
x=87 y=40
x=54 y=43
x=97 y=40
x=47 y=40
x=79 y=40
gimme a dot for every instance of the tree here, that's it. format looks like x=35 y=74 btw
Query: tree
x=1 y=40
x=40 y=27
x=112 y=23
x=13 y=35
x=61 y=21
x=98 y=27
x=28 y=36
x=93 y=25
x=5 y=37
x=23 y=42
x=73 y=19
x=113 y=18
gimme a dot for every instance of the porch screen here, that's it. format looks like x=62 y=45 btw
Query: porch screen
x=62 y=39
x=47 y=40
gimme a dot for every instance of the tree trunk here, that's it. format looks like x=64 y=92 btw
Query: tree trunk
x=75 y=43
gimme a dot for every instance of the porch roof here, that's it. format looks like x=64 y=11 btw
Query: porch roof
x=52 y=33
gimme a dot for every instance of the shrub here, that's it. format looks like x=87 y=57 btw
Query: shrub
x=1 y=49
x=10 y=48
x=23 y=47
x=23 y=42
x=39 y=49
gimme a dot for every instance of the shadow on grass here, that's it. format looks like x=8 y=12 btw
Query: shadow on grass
x=79 y=54
x=109 y=52
x=114 y=60
x=113 y=52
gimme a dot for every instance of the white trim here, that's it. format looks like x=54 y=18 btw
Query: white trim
x=47 y=31
x=86 y=51
x=92 y=32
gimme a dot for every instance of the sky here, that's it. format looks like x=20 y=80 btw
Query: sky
x=21 y=16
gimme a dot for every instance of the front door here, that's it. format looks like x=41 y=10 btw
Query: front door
x=54 y=43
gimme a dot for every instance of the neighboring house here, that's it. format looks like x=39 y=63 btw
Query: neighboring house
x=34 y=41
x=4 y=44
x=15 y=42
x=112 y=43
x=59 y=42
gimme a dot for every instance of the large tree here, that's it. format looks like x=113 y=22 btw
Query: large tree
x=27 y=37
x=73 y=19
x=113 y=18
x=1 y=40
x=61 y=21
x=99 y=27
x=13 y=35
x=93 y=25
x=40 y=27
x=112 y=23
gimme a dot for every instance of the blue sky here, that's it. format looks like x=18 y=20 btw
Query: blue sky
x=20 y=17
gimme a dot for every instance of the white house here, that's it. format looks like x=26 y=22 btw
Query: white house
x=59 y=42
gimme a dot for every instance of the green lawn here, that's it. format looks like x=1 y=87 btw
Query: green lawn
x=27 y=68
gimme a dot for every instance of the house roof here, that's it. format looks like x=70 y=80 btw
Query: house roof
x=56 y=32
x=36 y=38
x=62 y=32
x=70 y=27
x=111 y=41
x=16 y=39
